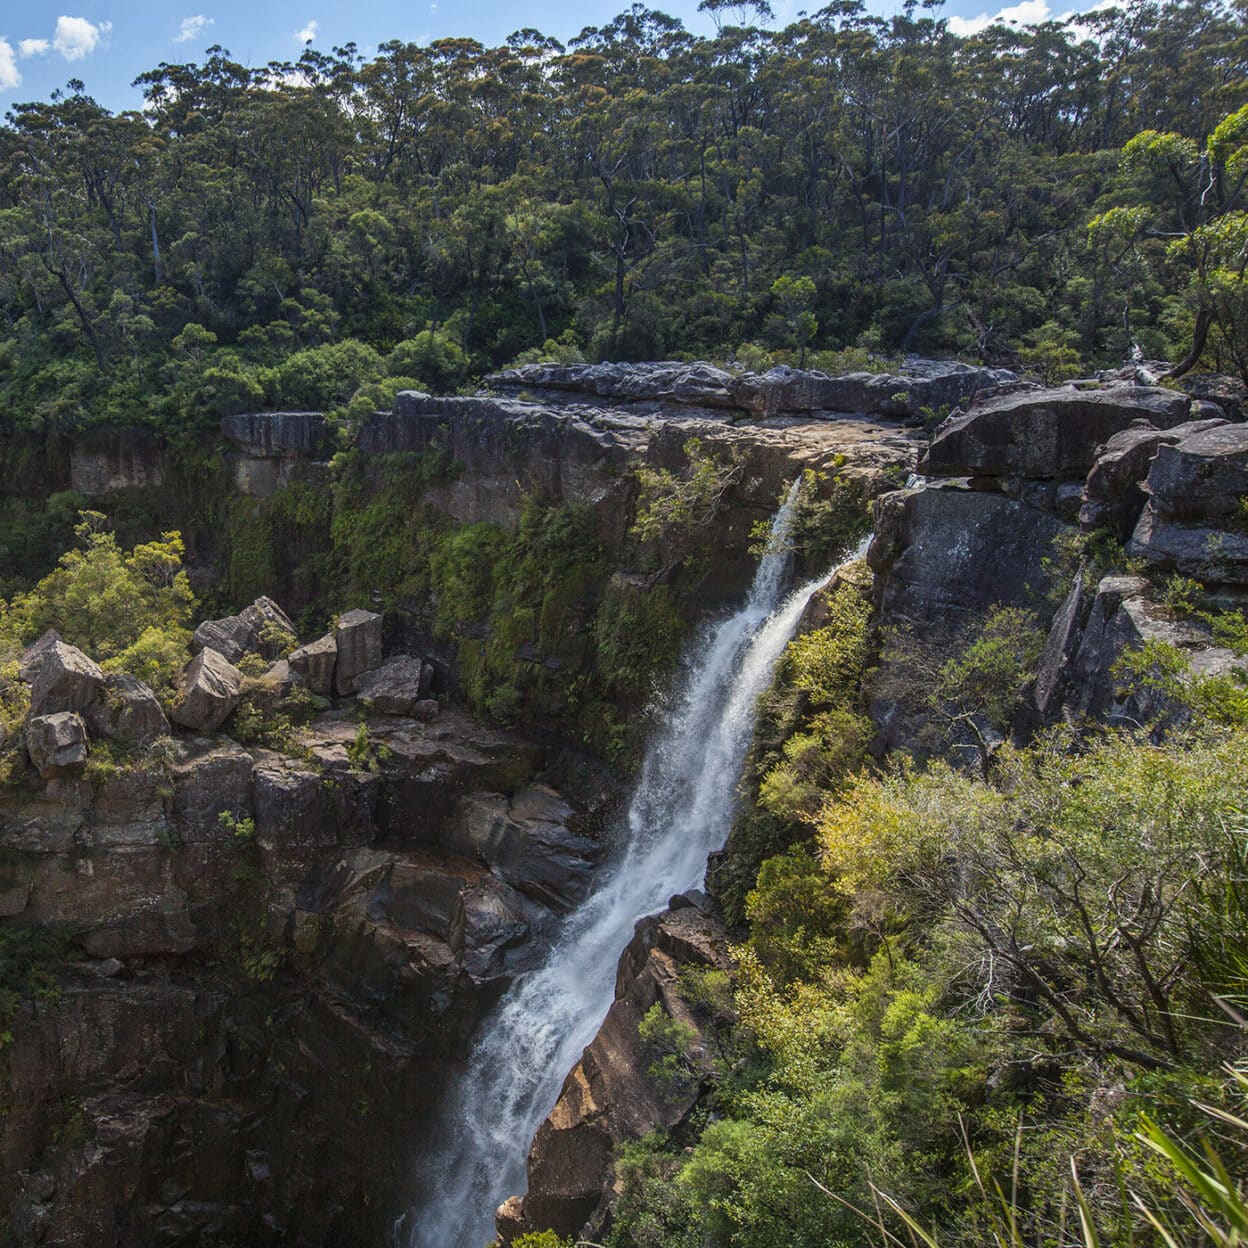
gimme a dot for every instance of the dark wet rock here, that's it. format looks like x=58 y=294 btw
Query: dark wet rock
x=396 y=686
x=65 y=680
x=529 y=841
x=208 y=691
x=1048 y=433
x=315 y=663
x=609 y=1098
x=946 y=550
x=127 y=710
x=57 y=743
x=358 y=635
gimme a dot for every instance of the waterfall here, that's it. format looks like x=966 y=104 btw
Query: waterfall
x=680 y=813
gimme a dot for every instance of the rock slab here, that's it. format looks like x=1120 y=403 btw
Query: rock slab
x=208 y=691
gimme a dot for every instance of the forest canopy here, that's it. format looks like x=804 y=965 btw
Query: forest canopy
x=300 y=233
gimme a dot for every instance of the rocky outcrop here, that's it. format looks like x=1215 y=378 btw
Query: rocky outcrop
x=262 y=628
x=208 y=690
x=1194 y=521
x=105 y=462
x=924 y=384
x=1046 y=434
x=609 y=1097
x=57 y=743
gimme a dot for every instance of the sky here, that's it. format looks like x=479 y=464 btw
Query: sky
x=107 y=43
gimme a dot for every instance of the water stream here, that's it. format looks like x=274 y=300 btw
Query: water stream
x=680 y=812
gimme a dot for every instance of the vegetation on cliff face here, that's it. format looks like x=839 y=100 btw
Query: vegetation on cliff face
x=304 y=234
x=978 y=1001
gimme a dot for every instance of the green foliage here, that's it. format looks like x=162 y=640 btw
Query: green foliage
x=366 y=755
x=129 y=610
x=432 y=356
x=674 y=508
x=31 y=965
x=638 y=633
x=1165 y=671
x=541 y=1239
x=974 y=980
x=674 y=1067
x=328 y=375
x=242 y=829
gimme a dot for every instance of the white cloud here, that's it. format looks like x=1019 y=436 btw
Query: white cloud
x=33 y=47
x=1025 y=13
x=76 y=38
x=192 y=27
x=10 y=76
x=308 y=33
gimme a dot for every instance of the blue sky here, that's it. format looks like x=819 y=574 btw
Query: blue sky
x=107 y=43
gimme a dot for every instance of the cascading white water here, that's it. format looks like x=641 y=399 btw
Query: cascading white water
x=680 y=813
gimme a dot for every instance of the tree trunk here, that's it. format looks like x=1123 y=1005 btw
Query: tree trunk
x=1200 y=334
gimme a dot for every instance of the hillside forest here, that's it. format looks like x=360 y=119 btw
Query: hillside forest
x=844 y=188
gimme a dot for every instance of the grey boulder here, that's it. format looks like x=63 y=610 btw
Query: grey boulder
x=208 y=691
x=236 y=635
x=128 y=711
x=359 y=647
x=396 y=687
x=1046 y=433
x=56 y=742
x=315 y=663
x=66 y=680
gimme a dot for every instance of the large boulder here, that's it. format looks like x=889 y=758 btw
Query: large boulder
x=31 y=659
x=66 y=680
x=396 y=687
x=1047 y=433
x=236 y=635
x=359 y=647
x=127 y=710
x=315 y=663
x=1205 y=552
x=208 y=691
x=1204 y=476
x=56 y=742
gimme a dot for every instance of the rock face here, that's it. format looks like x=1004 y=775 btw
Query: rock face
x=208 y=691
x=947 y=550
x=1192 y=523
x=315 y=663
x=359 y=648
x=274 y=449
x=927 y=384
x=128 y=711
x=608 y=1098
x=65 y=680
x=56 y=742
x=396 y=687
x=1046 y=434
x=249 y=987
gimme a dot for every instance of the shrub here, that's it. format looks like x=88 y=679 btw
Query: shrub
x=327 y=376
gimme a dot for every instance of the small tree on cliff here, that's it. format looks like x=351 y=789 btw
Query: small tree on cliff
x=130 y=610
